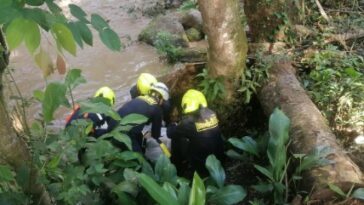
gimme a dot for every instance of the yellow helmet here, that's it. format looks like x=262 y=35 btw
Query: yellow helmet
x=192 y=100
x=107 y=93
x=144 y=83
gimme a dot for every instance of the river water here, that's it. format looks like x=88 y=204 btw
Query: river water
x=99 y=65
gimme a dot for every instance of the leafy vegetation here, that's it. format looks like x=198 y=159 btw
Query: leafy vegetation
x=187 y=5
x=165 y=46
x=212 y=88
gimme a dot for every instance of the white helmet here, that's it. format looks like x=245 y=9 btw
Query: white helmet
x=162 y=89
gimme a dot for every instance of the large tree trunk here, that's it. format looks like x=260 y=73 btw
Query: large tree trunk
x=227 y=41
x=13 y=149
x=309 y=129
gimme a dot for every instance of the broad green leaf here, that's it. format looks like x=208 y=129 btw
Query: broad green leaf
x=32 y=36
x=122 y=138
x=127 y=187
x=263 y=188
x=74 y=78
x=124 y=198
x=54 y=96
x=147 y=169
x=215 y=169
x=161 y=196
x=133 y=119
x=198 y=192
x=170 y=189
x=64 y=37
x=231 y=194
x=358 y=194
x=246 y=144
x=37 y=15
x=98 y=22
x=165 y=170
x=85 y=33
x=7 y=14
x=55 y=9
x=34 y=2
x=352 y=72
x=264 y=171
x=336 y=189
x=5 y=174
x=110 y=39
x=5 y=3
x=15 y=33
x=183 y=194
x=78 y=12
x=99 y=108
x=54 y=162
x=234 y=155
x=76 y=33
x=44 y=62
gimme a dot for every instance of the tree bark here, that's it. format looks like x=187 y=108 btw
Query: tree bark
x=309 y=130
x=227 y=41
x=13 y=149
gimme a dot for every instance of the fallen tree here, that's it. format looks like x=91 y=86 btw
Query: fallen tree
x=309 y=130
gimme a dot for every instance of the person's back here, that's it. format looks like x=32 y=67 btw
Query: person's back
x=149 y=106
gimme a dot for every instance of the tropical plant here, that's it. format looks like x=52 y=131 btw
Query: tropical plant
x=213 y=88
x=165 y=46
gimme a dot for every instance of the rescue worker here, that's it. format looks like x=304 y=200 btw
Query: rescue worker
x=150 y=106
x=197 y=135
x=144 y=83
x=143 y=86
x=102 y=124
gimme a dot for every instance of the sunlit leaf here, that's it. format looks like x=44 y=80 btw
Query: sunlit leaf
x=54 y=96
x=336 y=189
x=161 y=196
x=110 y=39
x=44 y=62
x=38 y=95
x=61 y=65
x=32 y=36
x=197 y=194
x=215 y=169
x=99 y=107
x=64 y=37
x=15 y=33
x=231 y=194
x=170 y=189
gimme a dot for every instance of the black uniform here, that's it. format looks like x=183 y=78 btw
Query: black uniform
x=102 y=124
x=195 y=138
x=147 y=106
x=166 y=106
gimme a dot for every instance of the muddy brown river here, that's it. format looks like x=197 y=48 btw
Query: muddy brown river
x=99 y=65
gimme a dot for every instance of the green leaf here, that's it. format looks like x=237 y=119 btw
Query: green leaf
x=5 y=3
x=37 y=15
x=38 y=95
x=183 y=193
x=85 y=32
x=64 y=37
x=8 y=14
x=54 y=96
x=99 y=108
x=352 y=72
x=231 y=194
x=123 y=198
x=122 y=138
x=78 y=12
x=110 y=39
x=6 y=174
x=55 y=9
x=198 y=192
x=32 y=36
x=126 y=186
x=134 y=119
x=98 y=22
x=246 y=144
x=76 y=33
x=215 y=169
x=74 y=78
x=156 y=192
x=170 y=189
x=15 y=33
x=336 y=189
x=264 y=171
x=263 y=188
x=165 y=170
x=358 y=194
x=34 y=2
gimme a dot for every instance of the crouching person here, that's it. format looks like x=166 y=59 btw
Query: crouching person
x=197 y=135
